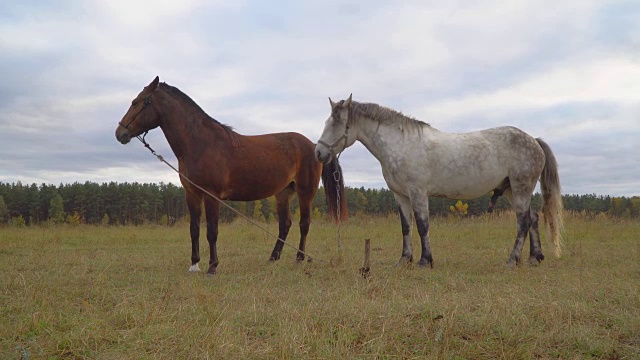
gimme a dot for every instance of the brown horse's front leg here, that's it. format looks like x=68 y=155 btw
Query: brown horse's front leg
x=193 y=203
x=284 y=224
x=212 y=208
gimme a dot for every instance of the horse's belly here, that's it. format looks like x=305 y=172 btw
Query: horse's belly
x=464 y=182
x=257 y=191
x=464 y=187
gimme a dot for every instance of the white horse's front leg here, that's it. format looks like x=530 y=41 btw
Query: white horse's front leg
x=421 y=213
x=406 y=219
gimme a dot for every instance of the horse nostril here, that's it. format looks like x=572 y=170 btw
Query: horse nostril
x=123 y=137
x=318 y=154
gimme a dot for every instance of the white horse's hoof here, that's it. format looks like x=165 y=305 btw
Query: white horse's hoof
x=194 y=268
x=404 y=260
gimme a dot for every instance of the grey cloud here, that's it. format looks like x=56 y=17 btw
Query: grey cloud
x=261 y=68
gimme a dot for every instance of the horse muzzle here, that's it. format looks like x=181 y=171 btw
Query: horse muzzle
x=123 y=136
x=323 y=155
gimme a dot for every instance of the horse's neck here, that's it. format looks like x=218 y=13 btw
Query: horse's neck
x=387 y=140
x=187 y=133
x=384 y=139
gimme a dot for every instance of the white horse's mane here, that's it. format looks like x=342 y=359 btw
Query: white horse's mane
x=385 y=115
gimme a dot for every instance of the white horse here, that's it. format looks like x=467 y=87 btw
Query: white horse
x=419 y=161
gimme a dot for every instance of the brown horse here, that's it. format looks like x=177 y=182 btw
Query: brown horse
x=232 y=166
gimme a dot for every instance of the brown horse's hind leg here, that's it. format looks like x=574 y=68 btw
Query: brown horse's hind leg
x=305 y=197
x=284 y=220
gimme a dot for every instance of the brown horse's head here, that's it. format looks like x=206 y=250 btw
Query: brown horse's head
x=141 y=116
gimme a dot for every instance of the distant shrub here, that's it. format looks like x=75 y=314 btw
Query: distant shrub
x=74 y=220
x=460 y=209
x=18 y=221
x=316 y=215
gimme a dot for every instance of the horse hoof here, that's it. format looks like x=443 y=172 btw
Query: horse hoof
x=511 y=263
x=404 y=260
x=212 y=270
x=424 y=263
x=536 y=260
x=275 y=256
x=211 y=274
x=194 y=268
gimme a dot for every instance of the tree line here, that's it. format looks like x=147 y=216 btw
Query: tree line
x=136 y=204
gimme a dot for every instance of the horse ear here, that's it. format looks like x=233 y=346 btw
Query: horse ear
x=347 y=102
x=333 y=105
x=154 y=84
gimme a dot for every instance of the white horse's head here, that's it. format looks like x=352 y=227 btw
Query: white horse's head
x=335 y=136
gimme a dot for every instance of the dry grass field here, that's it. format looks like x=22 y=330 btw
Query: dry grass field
x=125 y=293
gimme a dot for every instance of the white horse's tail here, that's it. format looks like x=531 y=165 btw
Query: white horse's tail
x=552 y=206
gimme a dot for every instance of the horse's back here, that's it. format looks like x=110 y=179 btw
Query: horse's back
x=290 y=145
x=283 y=142
x=518 y=150
x=508 y=144
x=511 y=137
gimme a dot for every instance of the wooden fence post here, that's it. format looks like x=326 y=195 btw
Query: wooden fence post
x=367 y=258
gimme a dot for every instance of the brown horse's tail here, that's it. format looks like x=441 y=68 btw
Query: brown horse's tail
x=333 y=183
x=551 y=197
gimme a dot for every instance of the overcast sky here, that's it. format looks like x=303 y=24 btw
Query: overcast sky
x=566 y=71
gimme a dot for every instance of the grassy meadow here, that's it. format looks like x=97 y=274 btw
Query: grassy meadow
x=125 y=293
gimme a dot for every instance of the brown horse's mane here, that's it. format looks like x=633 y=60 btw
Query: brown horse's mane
x=176 y=93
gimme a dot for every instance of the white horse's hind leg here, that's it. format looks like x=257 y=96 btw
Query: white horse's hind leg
x=523 y=221
x=406 y=219
x=521 y=201
x=535 y=249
